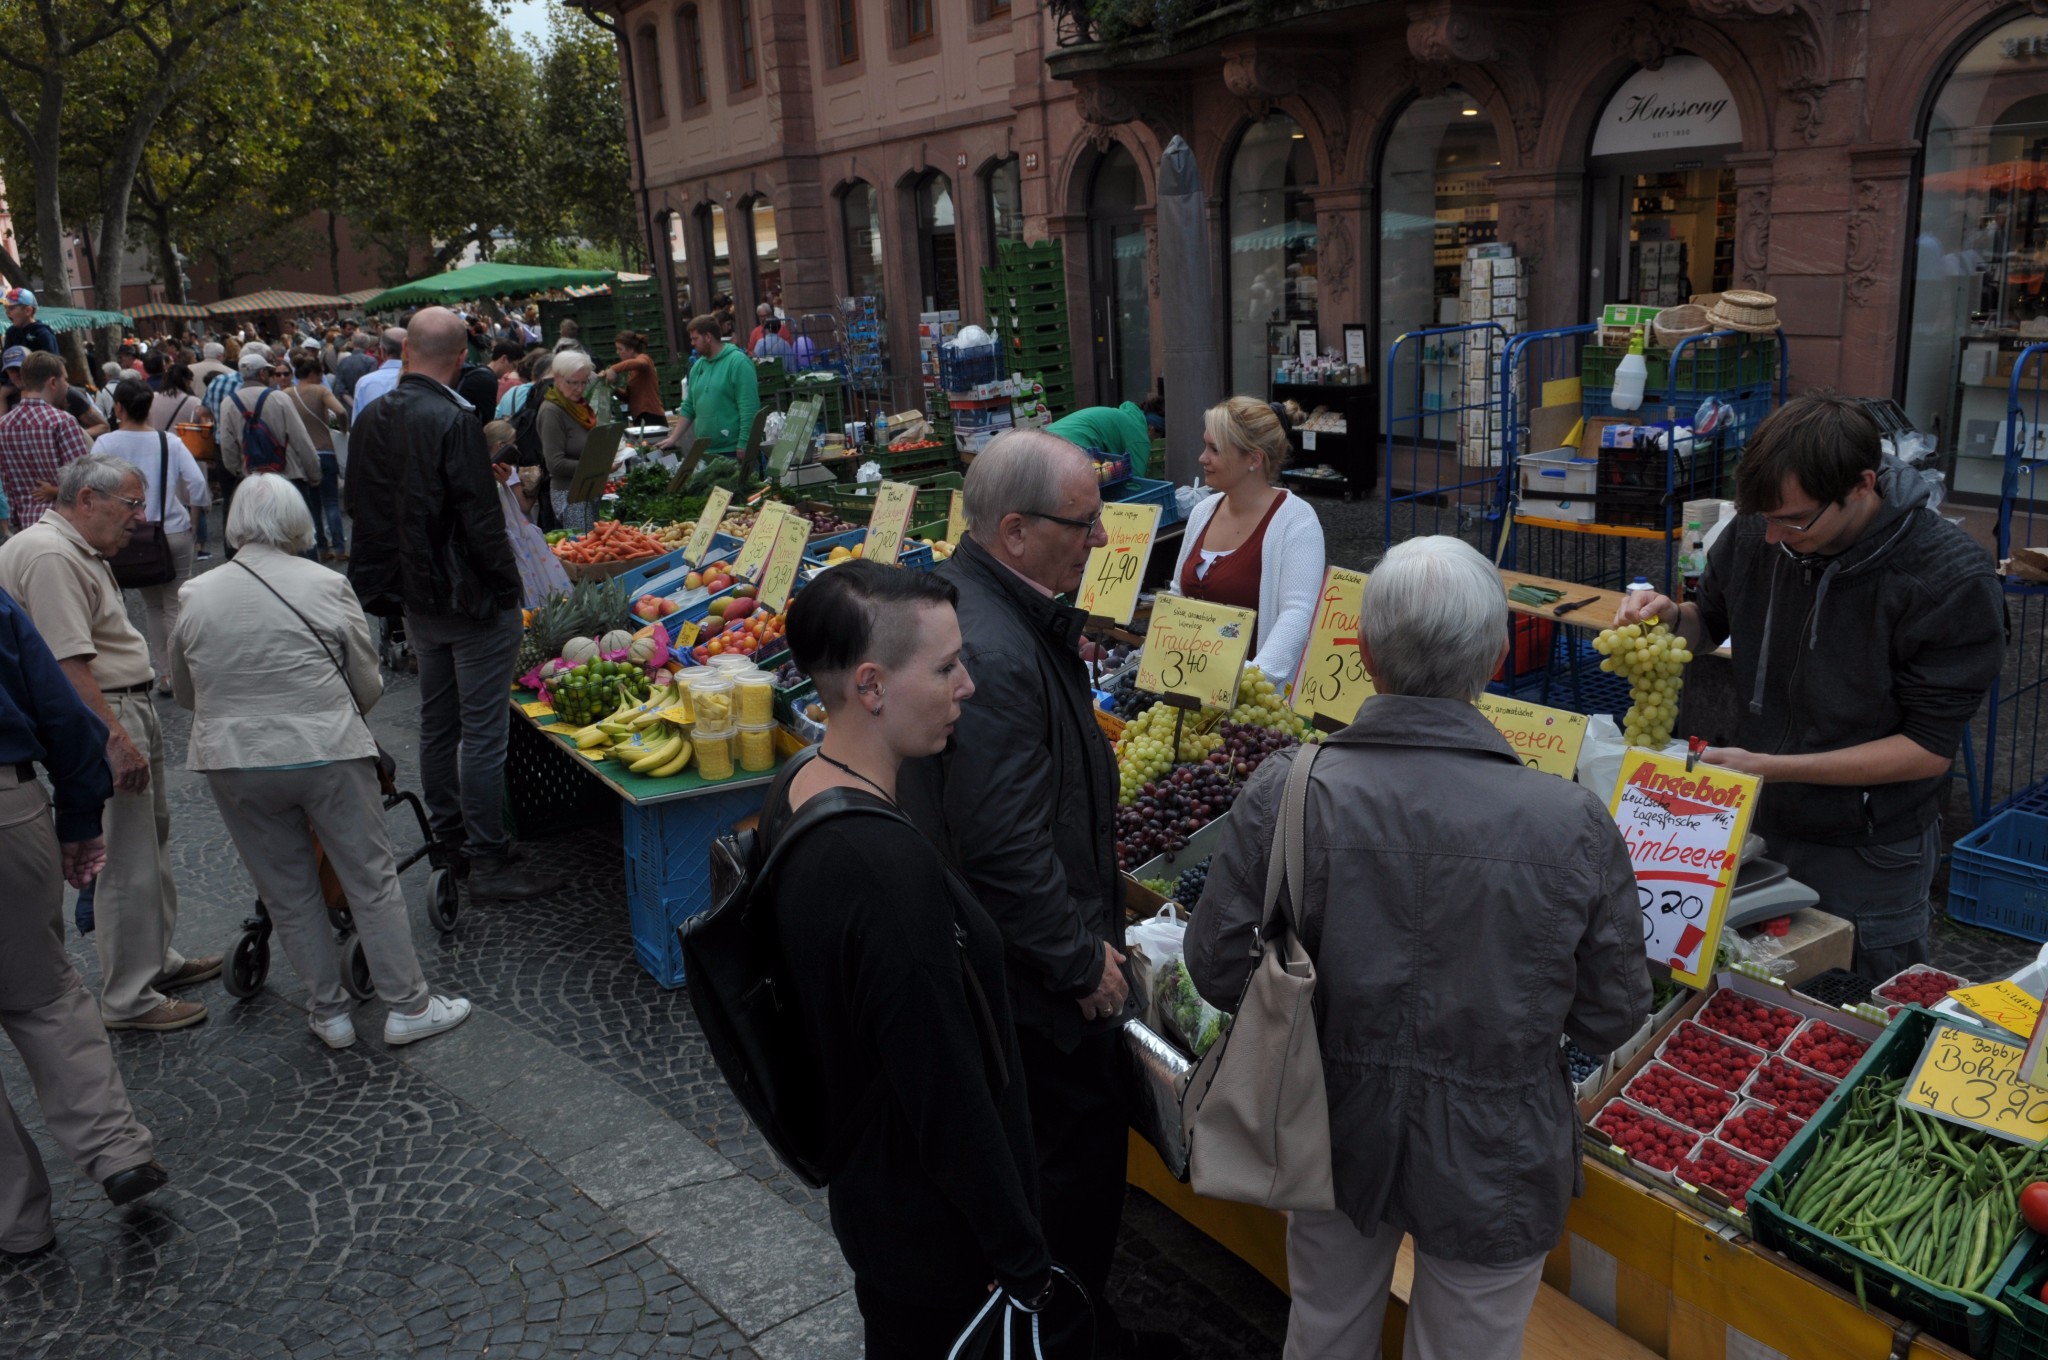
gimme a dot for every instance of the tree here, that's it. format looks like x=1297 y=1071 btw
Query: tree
x=582 y=140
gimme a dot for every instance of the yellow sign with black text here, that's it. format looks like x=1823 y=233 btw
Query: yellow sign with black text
x=1195 y=650
x=707 y=525
x=888 y=522
x=1969 y=1078
x=1331 y=681
x=1116 y=570
x=778 y=578
x=760 y=544
x=1546 y=739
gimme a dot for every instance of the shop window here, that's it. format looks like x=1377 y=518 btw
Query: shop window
x=1272 y=256
x=718 y=251
x=1005 y=184
x=938 y=244
x=767 y=255
x=690 y=56
x=647 y=56
x=861 y=209
x=844 y=16
x=739 y=23
x=1980 y=291
x=1120 y=279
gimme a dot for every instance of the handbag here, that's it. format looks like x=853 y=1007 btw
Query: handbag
x=1259 y=1130
x=145 y=560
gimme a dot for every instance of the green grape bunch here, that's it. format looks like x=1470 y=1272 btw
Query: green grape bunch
x=1147 y=750
x=1652 y=659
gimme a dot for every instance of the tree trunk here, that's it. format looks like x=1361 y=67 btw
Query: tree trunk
x=334 y=250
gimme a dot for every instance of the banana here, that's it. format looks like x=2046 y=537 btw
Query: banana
x=616 y=729
x=590 y=736
x=659 y=755
x=675 y=766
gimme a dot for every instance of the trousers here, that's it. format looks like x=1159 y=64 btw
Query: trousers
x=465 y=714
x=50 y=1019
x=135 y=902
x=1339 y=1278
x=160 y=604
x=1080 y=1121
x=272 y=817
x=1880 y=889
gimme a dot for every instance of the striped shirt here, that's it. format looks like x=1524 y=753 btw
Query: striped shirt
x=36 y=441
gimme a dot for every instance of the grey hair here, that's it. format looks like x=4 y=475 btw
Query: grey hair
x=543 y=365
x=394 y=342
x=269 y=510
x=213 y=349
x=101 y=472
x=1435 y=618
x=110 y=369
x=571 y=363
x=256 y=347
x=1019 y=473
x=252 y=364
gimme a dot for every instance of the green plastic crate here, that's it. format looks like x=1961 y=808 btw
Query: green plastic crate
x=2024 y=1336
x=1950 y=1317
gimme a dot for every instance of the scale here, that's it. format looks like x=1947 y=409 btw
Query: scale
x=1764 y=889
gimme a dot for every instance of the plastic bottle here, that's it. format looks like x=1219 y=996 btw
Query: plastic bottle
x=1631 y=375
x=1640 y=590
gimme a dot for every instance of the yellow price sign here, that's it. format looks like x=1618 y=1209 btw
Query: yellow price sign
x=1973 y=1079
x=707 y=525
x=956 y=517
x=1331 y=681
x=778 y=578
x=760 y=542
x=1116 y=570
x=1546 y=739
x=889 y=521
x=1684 y=831
x=1195 y=649
x=539 y=708
x=2005 y=1004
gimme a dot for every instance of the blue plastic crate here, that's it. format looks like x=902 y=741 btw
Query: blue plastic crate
x=962 y=367
x=1998 y=878
x=668 y=847
x=664 y=575
x=1146 y=491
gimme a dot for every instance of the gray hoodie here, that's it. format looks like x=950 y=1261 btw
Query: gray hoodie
x=1902 y=633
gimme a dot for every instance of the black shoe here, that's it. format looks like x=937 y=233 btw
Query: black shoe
x=31 y=1254
x=125 y=1187
x=509 y=877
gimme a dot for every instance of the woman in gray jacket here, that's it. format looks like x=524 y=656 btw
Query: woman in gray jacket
x=1463 y=911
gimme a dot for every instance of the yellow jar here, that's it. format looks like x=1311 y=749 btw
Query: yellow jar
x=756 y=693
x=711 y=699
x=757 y=747
x=714 y=753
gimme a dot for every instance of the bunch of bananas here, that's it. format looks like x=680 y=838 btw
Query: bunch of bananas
x=650 y=737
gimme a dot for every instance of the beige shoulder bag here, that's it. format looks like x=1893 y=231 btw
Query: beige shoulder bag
x=1258 y=1118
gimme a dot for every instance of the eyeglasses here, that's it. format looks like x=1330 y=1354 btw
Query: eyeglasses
x=131 y=504
x=1784 y=523
x=1091 y=524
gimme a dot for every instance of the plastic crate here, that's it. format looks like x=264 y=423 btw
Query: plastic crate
x=1948 y=1316
x=2024 y=1335
x=1147 y=491
x=667 y=862
x=1998 y=877
x=962 y=367
x=1837 y=987
x=547 y=792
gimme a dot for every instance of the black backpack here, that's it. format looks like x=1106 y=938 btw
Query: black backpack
x=526 y=425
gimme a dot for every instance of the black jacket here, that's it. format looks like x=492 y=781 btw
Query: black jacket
x=429 y=533
x=479 y=387
x=1026 y=795
x=1902 y=633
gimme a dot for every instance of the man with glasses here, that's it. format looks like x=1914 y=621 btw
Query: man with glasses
x=1027 y=798
x=1866 y=630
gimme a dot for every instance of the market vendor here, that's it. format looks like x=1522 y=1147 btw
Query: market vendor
x=1120 y=430
x=1866 y=630
x=635 y=370
x=720 y=396
x=1253 y=545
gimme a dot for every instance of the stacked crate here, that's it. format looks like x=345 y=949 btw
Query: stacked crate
x=1026 y=293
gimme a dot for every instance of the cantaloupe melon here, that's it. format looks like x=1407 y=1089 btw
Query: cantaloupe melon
x=576 y=651
x=617 y=640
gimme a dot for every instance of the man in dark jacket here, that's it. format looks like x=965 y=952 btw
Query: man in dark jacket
x=1027 y=797
x=1867 y=630
x=431 y=545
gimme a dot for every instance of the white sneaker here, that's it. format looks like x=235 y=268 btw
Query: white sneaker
x=442 y=1013
x=340 y=1032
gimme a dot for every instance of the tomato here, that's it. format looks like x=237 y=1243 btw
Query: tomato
x=2034 y=1205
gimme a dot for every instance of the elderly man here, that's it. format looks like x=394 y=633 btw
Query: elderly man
x=44 y=1008
x=1464 y=911
x=58 y=571
x=37 y=439
x=284 y=446
x=384 y=377
x=1027 y=797
x=210 y=367
x=431 y=546
x=352 y=366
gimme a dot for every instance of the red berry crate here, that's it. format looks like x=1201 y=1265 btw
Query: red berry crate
x=1699 y=1052
x=1754 y=1022
x=1715 y=1166
x=1758 y=1129
x=1644 y=1138
x=1830 y=1051
x=1785 y=1085
x=1917 y=985
x=1671 y=1093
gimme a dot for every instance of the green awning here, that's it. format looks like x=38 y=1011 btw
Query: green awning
x=482 y=280
x=80 y=318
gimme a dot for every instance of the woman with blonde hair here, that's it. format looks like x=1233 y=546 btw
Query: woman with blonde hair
x=1253 y=545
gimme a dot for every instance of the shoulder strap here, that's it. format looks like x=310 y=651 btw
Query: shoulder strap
x=1286 y=865
x=163 y=474
x=339 y=669
x=261 y=397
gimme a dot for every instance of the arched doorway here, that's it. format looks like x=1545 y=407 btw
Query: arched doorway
x=861 y=222
x=1119 y=270
x=1271 y=262
x=679 y=261
x=938 y=244
x=717 y=254
x=767 y=254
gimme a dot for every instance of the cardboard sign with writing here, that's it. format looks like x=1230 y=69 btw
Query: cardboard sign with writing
x=779 y=576
x=594 y=464
x=760 y=542
x=889 y=521
x=686 y=465
x=1684 y=831
x=1196 y=650
x=2004 y=1004
x=707 y=525
x=1974 y=1080
x=956 y=518
x=1331 y=681
x=1109 y=587
x=1545 y=738
x=797 y=427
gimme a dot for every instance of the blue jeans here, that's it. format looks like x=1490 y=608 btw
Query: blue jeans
x=324 y=501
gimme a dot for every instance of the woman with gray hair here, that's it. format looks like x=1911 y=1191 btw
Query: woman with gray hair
x=273 y=656
x=565 y=422
x=1463 y=911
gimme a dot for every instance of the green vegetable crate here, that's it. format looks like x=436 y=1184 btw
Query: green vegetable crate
x=1948 y=1316
x=2024 y=1336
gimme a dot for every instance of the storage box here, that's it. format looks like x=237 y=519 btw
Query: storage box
x=1999 y=878
x=1567 y=511
x=1559 y=472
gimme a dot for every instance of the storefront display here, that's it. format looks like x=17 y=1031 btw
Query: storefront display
x=1272 y=255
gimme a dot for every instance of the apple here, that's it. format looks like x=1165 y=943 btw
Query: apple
x=669 y=607
x=647 y=607
x=692 y=581
x=714 y=584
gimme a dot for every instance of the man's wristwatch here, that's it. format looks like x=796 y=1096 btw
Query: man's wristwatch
x=1037 y=1302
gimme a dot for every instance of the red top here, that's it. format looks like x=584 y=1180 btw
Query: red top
x=1233 y=579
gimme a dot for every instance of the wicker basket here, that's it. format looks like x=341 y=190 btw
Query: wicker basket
x=1674 y=324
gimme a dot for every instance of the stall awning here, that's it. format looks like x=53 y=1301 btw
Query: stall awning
x=480 y=281
x=1274 y=237
x=169 y=311
x=275 y=300
x=79 y=318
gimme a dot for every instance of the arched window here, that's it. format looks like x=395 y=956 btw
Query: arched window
x=767 y=254
x=653 y=99
x=938 y=243
x=690 y=56
x=679 y=256
x=1005 y=187
x=1120 y=275
x=717 y=251
x=1272 y=255
x=861 y=209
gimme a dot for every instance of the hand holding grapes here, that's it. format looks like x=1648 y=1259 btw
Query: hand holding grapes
x=1644 y=608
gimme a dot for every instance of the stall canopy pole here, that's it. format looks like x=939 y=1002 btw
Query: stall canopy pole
x=1194 y=368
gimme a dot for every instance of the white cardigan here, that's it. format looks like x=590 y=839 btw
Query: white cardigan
x=1290 y=579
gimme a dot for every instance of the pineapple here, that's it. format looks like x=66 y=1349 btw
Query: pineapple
x=587 y=610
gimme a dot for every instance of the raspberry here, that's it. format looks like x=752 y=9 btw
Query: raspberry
x=1753 y=1022
x=1702 y=1053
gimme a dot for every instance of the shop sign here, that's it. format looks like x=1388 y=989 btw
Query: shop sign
x=1195 y=650
x=1684 y=830
x=760 y=542
x=1685 y=105
x=1546 y=739
x=1970 y=1079
x=1109 y=586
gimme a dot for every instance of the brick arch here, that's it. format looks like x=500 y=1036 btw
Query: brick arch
x=1903 y=90
x=1084 y=157
x=1568 y=140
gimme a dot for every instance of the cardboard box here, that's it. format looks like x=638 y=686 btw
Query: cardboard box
x=1816 y=943
x=1590 y=442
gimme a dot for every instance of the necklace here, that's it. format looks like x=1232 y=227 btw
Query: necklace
x=840 y=764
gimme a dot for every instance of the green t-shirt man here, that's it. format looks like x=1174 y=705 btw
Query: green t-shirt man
x=1110 y=429
x=723 y=397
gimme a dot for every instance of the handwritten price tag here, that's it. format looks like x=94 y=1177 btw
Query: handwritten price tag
x=889 y=521
x=1973 y=1079
x=1196 y=650
x=1546 y=739
x=778 y=577
x=707 y=525
x=1331 y=681
x=2005 y=1004
x=760 y=542
x=956 y=518
x=1684 y=832
x=1109 y=587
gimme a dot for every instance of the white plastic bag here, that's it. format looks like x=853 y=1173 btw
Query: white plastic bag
x=1601 y=755
x=1159 y=936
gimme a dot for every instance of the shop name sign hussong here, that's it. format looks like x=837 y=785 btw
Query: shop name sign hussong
x=1684 y=104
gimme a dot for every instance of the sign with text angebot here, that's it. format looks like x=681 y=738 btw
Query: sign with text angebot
x=956 y=518
x=1195 y=650
x=1684 y=831
x=1971 y=1079
x=1546 y=739
x=888 y=522
x=706 y=527
x=1109 y=587
x=778 y=577
x=1331 y=681
x=760 y=542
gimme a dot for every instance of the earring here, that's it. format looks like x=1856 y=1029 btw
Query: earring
x=876 y=710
